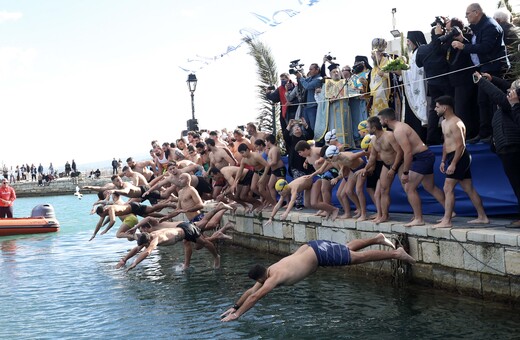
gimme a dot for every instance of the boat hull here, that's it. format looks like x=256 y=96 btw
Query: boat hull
x=27 y=225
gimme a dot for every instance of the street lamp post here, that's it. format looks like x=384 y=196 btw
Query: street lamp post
x=192 y=86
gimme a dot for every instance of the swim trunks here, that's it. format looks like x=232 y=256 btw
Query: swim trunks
x=191 y=232
x=197 y=218
x=203 y=186
x=130 y=220
x=462 y=169
x=219 y=183
x=152 y=197
x=247 y=178
x=329 y=174
x=372 y=179
x=330 y=253
x=280 y=172
x=422 y=162
x=138 y=208
x=260 y=172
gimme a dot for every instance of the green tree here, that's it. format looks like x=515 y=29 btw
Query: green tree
x=269 y=113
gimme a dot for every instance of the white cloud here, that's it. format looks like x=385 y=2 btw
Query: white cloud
x=6 y=16
x=16 y=61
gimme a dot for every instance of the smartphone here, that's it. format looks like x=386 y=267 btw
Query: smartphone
x=475 y=78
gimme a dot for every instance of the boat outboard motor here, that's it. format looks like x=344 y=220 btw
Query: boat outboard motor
x=43 y=210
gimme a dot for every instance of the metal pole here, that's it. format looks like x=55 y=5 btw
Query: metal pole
x=192 y=105
x=274 y=119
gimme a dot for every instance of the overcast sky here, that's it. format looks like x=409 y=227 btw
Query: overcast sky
x=93 y=80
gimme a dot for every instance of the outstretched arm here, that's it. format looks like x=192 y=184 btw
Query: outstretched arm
x=144 y=254
x=128 y=256
x=251 y=299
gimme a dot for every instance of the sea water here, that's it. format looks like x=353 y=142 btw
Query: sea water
x=61 y=286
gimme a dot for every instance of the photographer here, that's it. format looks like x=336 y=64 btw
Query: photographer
x=279 y=95
x=460 y=77
x=293 y=132
x=506 y=126
x=488 y=53
x=310 y=83
x=433 y=59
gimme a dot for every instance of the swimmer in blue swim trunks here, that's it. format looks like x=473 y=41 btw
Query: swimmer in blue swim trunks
x=305 y=261
x=417 y=166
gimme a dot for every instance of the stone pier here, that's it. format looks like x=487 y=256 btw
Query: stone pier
x=481 y=261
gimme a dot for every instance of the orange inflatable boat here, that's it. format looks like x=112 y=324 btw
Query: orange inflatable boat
x=42 y=220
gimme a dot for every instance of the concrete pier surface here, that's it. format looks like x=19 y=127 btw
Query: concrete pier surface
x=60 y=186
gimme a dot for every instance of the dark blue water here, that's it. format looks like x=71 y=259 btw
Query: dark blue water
x=60 y=285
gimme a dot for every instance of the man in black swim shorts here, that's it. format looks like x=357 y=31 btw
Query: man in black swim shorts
x=167 y=234
x=455 y=163
x=305 y=261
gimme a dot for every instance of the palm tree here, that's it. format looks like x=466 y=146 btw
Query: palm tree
x=268 y=117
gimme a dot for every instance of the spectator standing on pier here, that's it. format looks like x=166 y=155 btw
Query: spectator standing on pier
x=114 y=166
x=7 y=197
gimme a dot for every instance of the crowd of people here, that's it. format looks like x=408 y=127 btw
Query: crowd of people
x=356 y=128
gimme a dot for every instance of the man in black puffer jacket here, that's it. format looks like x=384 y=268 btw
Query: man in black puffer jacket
x=506 y=127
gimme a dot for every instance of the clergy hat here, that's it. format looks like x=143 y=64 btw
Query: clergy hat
x=333 y=66
x=416 y=37
x=364 y=59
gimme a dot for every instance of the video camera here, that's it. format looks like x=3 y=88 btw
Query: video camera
x=439 y=20
x=329 y=57
x=455 y=32
x=295 y=67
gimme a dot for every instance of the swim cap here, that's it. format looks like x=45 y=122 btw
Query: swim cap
x=311 y=142
x=365 y=143
x=362 y=126
x=332 y=151
x=280 y=184
x=331 y=135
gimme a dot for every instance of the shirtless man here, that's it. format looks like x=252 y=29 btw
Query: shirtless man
x=142 y=167
x=260 y=176
x=253 y=132
x=219 y=157
x=215 y=135
x=458 y=160
x=349 y=164
x=124 y=210
x=290 y=191
x=320 y=197
x=168 y=236
x=135 y=177
x=417 y=166
x=137 y=193
x=238 y=190
x=274 y=158
x=384 y=147
x=305 y=261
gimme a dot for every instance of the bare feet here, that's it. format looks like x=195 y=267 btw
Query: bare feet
x=357 y=213
x=334 y=214
x=415 y=222
x=223 y=206
x=373 y=216
x=381 y=239
x=443 y=224
x=344 y=216
x=362 y=218
x=219 y=235
x=381 y=219
x=403 y=256
x=480 y=220
x=216 y=263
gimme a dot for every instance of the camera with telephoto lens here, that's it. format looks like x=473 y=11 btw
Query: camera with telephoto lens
x=439 y=20
x=271 y=88
x=455 y=32
x=295 y=67
x=329 y=57
x=358 y=68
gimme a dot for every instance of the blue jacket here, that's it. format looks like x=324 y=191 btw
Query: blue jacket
x=310 y=84
x=489 y=45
